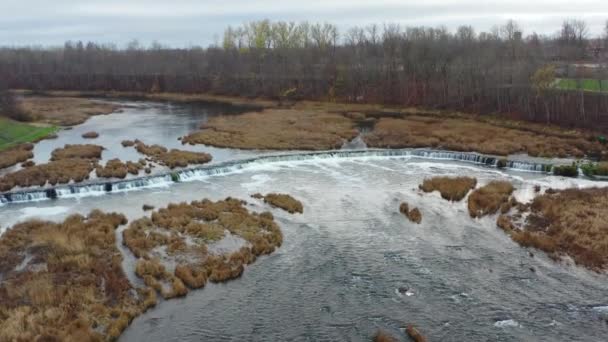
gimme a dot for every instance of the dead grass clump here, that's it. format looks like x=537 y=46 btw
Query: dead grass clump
x=64 y=281
x=383 y=336
x=87 y=151
x=276 y=129
x=415 y=334
x=63 y=111
x=127 y=143
x=90 y=135
x=488 y=199
x=179 y=234
x=115 y=168
x=283 y=201
x=54 y=172
x=147 y=207
x=16 y=155
x=173 y=158
x=568 y=222
x=28 y=163
x=484 y=136
x=413 y=215
x=451 y=188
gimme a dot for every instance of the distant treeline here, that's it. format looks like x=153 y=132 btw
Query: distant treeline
x=501 y=71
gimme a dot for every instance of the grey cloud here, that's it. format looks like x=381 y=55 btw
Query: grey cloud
x=185 y=22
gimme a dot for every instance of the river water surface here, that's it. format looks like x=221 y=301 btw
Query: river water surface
x=352 y=263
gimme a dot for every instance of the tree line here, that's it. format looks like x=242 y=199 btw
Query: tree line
x=501 y=71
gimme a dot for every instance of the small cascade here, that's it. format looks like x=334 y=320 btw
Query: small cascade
x=100 y=187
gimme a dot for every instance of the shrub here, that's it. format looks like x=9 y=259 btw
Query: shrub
x=566 y=170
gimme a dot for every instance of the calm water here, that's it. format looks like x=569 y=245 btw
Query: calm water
x=337 y=276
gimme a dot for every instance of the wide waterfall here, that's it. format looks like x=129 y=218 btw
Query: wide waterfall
x=99 y=187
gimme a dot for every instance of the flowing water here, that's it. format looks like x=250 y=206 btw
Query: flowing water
x=352 y=263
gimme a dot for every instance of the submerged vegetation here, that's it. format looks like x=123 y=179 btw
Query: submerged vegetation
x=16 y=155
x=172 y=245
x=451 y=188
x=488 y=199
x=282 y=201
x=570 y=222
x=413 y=215
x=276 y=129
x=171 y=158
x=64 y=281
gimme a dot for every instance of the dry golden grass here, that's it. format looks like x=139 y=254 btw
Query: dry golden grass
x=413 y=215
x=63 y=111
x=488 y=199
x=90 y=135
x=276 y=129
x=467 y=134
x=180 y=233
x=115 y=168
x=72 y=287
x=282 y=201
x=54 y=172
x=87 y=151
x=16 y=155
x=451 y=188
x=573 y=222
x=173 y=158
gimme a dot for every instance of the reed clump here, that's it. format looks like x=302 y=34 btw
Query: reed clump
x=282 y=201
x=568 y=222
x=414 y=215
x=484 y=136
x=63 y=111
x=488 y=199
x=180 y=233
x=127 y=143
x=87 y=151
x=276 y=129
x=90 y=135
x=115 y=168
x=16 y=155
x=172 y=158
x=450 y=188
x=64 y=281
x=383 y=336
x=55 y=172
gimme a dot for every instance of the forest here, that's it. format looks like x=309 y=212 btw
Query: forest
x=503 y=71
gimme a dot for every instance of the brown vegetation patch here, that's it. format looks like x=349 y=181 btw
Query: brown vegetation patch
x=63 y=111
x=54 y=172
x=87 y=151
x=115 y=168
x=415 y=334
x=282 y=201
x=451 y=188
x=488 y=199
x=64 y=281
x=172 y=158
x=413 y=215
x=571 y=222
x=90 y=135
x=180 y=233
x=464 y=134
x=276 y=129
x=16 y=155
x=383 y=336
x=127 y=143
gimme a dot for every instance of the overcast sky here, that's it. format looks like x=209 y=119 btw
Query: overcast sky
x=199 y=22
